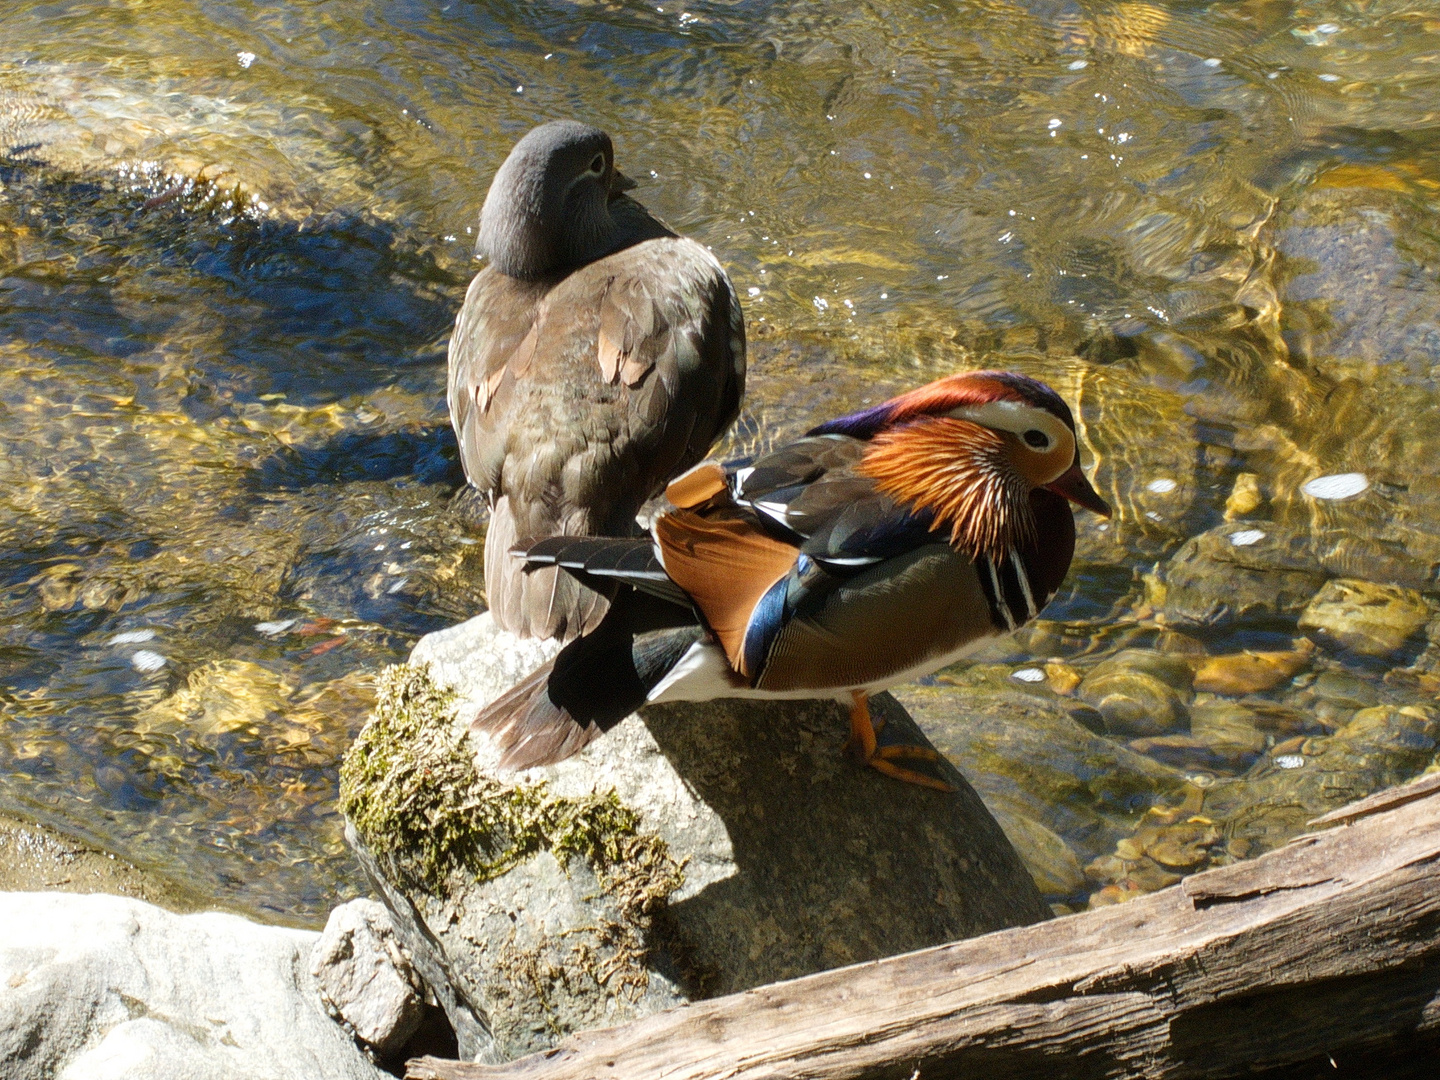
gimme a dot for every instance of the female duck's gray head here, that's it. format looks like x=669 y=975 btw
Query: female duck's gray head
x=548 y=206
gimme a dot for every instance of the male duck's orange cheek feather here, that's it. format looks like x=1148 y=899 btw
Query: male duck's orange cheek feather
x=726 y=564
x=963 y=473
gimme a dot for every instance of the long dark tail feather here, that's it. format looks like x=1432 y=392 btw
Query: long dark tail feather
x=591 y=685
x=542 y=604
x=529 y=729
x=600 y=562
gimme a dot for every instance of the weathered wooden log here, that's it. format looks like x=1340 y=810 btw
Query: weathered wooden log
x=1323 y=948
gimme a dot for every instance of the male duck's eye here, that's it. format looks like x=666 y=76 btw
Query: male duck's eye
x=1036 y=438
x=598 y=165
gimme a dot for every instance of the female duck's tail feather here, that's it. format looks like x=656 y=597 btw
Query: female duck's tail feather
x=591 y=685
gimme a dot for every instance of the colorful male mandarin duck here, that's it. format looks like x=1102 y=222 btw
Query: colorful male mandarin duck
x=595 y=357
x=877 y=549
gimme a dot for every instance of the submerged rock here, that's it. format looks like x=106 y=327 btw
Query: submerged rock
x=1241 y=570
x=1368 y=618
x=1050 y=860
x=1304 y=777
x=1252 y=672
x=701 y=850
x=1140 y=693
x=110 y=988
x=1032 y=752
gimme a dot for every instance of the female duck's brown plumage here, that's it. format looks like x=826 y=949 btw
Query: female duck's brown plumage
x=879 y=548
x=595 y=357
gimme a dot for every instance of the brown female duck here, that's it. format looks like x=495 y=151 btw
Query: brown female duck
x=596 y=356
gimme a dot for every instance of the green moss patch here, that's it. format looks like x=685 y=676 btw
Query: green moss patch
x=410 y=787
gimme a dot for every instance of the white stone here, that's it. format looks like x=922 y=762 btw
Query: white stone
x=366 y=977
x=1029 y=674
x=133 y=637
x=108 y=988
x=1339 y=486
x=1162 y=486
x=1246 y=537
x=147 y=661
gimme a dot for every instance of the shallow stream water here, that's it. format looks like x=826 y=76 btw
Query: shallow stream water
x=233 y=237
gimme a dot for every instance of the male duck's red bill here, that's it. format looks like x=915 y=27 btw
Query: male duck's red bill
x=880 y=547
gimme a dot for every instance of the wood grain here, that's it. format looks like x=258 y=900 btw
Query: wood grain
x=1328 y=946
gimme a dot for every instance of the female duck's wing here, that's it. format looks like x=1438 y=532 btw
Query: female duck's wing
x=576 y=401
x=592 y=684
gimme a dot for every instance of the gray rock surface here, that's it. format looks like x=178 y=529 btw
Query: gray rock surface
x=701 y=850
x=365 y=977
x=109 y=988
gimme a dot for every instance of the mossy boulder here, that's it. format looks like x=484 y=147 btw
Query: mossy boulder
x=699 y=850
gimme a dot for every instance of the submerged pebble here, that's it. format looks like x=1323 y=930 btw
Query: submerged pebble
x=132 y=637
x=1252 y=672
x=147 y=661
x=1244 y=499
x=1336 y=487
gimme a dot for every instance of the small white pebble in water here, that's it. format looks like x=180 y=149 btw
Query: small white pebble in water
x=147 y=661
x=1246 y=537
x=1201 y=780
x=1153 y=516
x=1327 y=77
x=1076 y=65
x=397 y=586
x=822 y=303
x=1054 y=123
x=753 y=291
x=467 y=541
x=1213 y=62
x=1290 y=761
x=1028 y=674
x=1163 y=486
x=132 y=637
x=274 y=629
x=379 y=547
x=1327 y=28
x=867 y=176
x=1336 y=486
x=245 y=58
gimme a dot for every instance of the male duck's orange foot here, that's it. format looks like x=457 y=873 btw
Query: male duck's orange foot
x=864 y=748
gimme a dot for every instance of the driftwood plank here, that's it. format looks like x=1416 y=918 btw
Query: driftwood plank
x=1329 y=945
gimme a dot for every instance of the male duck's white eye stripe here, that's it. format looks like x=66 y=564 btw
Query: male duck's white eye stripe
x=1015 y=417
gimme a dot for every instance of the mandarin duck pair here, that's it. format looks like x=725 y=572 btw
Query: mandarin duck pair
x=599 y=356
